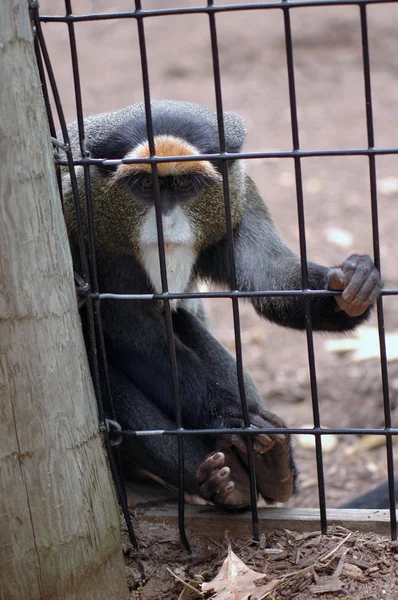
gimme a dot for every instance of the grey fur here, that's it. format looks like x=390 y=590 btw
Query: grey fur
x=99 y=128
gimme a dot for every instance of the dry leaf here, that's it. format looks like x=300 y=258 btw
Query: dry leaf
x=235 y=581
x=365 y=344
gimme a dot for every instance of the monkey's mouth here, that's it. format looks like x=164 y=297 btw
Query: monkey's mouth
x=173 y=245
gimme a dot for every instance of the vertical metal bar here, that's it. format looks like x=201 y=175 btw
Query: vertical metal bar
x=93 y=305
x=122 y=497
x=376 y=251
x=96 y=309
x=232 y=267
x=44 y=89
x=47 y=103
x=90 y=225
x=83 y=151
x=163 y=273
x=65 y=135
x=304 y=269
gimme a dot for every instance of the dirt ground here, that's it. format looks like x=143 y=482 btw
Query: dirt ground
x=352 y=565
x=331 y=110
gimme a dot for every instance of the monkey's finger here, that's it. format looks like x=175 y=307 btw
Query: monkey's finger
x=237 y=495
x=224 y=495
x=260 y=422
x=216 y=483
x=239 y=442
x=356 y=271
x=369 y=289
x=336 y=279
x=263 y=443
x=375 y=294
x=209 y=465
x=354 y=285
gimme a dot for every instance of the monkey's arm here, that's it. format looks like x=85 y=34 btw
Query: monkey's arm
x=264 y=262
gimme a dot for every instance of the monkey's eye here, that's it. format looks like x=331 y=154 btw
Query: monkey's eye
x=183 y=183
x=146 y=182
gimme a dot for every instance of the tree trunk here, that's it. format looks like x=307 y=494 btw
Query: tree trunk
x=59 y=520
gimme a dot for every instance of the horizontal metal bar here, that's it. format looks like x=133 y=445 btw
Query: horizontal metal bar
x=233 y=294
x=114 y=162
x=316 y=431
x=59 y=144
x=205 y=10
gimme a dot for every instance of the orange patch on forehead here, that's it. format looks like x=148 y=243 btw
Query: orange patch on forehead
x=168 y=145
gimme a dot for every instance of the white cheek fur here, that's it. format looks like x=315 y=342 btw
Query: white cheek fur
x=180 y=255
x=176 y=228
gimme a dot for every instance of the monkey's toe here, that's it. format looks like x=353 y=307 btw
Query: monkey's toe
x=223 y=480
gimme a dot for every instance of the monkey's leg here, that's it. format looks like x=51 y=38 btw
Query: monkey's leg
x=273 y=456
x=215 y=475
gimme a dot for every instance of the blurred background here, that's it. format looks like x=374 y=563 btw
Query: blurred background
x=331 y=110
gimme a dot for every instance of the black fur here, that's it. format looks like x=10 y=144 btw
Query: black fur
x=377 y=498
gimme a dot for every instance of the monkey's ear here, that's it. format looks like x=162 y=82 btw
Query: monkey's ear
x=235 y=132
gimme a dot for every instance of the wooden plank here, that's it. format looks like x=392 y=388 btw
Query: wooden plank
x=142 y=492
x=214 y=522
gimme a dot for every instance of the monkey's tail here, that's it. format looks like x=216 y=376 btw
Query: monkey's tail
x=378 y=497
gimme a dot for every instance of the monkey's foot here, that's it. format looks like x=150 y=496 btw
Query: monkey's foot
x=275 y=471
x=262 y=442
x=274 y=466
x=223 y=480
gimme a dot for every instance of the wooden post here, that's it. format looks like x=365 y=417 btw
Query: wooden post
x=59 y=520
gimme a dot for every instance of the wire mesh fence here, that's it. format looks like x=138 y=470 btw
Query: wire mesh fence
x=91 y=296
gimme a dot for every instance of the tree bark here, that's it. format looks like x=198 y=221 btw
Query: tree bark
x=59 y=520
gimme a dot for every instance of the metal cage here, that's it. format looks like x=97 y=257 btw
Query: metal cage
x=91 y=296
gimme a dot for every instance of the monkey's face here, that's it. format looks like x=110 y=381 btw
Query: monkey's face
x=178 y=194
x=191 y=209
x=190 y=193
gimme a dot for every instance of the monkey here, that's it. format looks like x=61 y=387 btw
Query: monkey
x=196 y=249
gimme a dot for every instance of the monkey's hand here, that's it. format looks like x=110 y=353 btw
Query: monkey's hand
x=360 y=281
